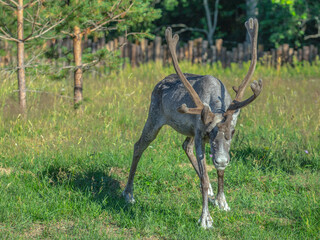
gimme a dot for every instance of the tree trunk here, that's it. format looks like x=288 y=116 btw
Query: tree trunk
x=77 y=53
x=20 y=62
x=212 y=24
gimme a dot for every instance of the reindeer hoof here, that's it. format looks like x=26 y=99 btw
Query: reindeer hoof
x=205 y=221
x=221 y=202
x=128 y=197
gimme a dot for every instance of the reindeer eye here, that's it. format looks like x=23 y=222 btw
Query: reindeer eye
x=232 y=133
x=227 y=136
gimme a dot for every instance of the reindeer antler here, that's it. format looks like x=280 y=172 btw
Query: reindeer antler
x=172 y=42
x=256 y=87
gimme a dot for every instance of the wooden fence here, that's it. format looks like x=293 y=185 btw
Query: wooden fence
x=196 y=51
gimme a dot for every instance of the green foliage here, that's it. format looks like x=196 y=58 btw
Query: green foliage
x=89 y=14
x=287 y=21
x=43 y=13
x=64 y=174
x=99 y=18
x=281 y=21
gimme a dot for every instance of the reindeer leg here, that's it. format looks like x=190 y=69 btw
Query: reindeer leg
x=220 y=200
x=149 y=133
x=188 y=148
x=205 y=219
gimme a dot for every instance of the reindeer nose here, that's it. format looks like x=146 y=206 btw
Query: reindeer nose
x=222 y=160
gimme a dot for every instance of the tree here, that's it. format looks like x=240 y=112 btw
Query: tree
x=211 y=23
x=92 y=16
x=31 y=21
x=290 y=22
x=230 y=17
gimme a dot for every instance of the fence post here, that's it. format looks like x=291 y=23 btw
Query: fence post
x=144 y=50
x=312 y=55
x=204 y=52
x=165 y=55
x=190 y=50
x=224 y=57
x=157 y=43
x=234 y=54
x=151 y=52
x=290 y=57
x=218 y=47
x=228 y=58
x=279 y=58
x=240 y=54
x=285 y=52
x=213 y=51
x=306 y=53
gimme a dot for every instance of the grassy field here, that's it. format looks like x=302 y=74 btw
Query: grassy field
x=62 y=174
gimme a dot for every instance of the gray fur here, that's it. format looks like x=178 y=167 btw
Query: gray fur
x=200 y=108
x=166 y=97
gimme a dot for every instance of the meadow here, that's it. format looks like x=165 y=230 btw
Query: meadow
x=62 y=172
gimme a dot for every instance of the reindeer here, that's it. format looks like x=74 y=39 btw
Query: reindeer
x=200 y=108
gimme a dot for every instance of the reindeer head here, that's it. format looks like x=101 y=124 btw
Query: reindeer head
x=218 y=126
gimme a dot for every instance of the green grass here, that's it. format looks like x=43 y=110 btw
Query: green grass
x=62 y=174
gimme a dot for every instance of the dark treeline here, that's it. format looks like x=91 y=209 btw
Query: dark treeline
x=294 y=22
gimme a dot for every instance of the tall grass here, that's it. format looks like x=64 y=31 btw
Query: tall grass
x=61 y=174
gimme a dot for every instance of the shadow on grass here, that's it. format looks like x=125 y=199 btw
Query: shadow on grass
x=99 y=186
x=270 y=159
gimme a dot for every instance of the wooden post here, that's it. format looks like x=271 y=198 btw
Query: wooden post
x=269 y=59
x=260 y=50
x=121 y=44
x=285 y=52
x=224 y=57
x=194 y=54
x=204 y=57
x=240 y=54
x=219 y=47
x=290 y=56
x=133 y=55
x=316 y=54
x=198 y=52
x=190 y=50
x=295 y=56
x=144 y=50
x=279 y=58
x=94 y=45
x=181 y=53
x=102 y=42
x=247 y=51
x=8 y=55
x=165 y=55
x=312 y=56
x=228 y=58
x=273 y=58
x=139 y=55
x=185 y=50
x=306 y=53
x=234 y=54
x=151 y=52
x=157 y=48
x=116 y=43
x=213 y=54
x=300 y=55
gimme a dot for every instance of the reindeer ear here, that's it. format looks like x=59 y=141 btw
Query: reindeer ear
x=206 y=115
